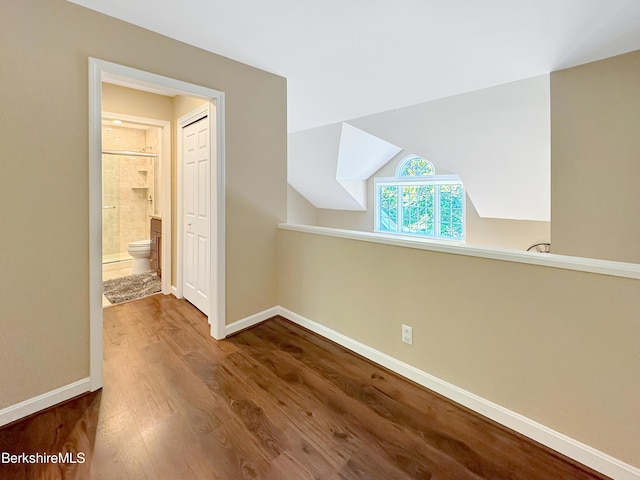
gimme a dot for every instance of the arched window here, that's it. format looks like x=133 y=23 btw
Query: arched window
x=418 y=202
x=412 y=166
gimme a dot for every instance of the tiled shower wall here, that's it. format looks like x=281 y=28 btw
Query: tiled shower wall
x=127 y=185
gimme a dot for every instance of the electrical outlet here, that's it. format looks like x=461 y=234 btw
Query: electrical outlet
x=407 y=334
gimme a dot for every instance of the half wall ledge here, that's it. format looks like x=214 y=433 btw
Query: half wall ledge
x=580 y=264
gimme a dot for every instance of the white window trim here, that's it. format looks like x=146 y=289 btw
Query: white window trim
x=420 y=180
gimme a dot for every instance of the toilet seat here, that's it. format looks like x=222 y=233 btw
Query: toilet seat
x=140 y=244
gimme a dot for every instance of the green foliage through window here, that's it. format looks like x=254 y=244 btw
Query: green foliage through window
x=414 y=167
x=388 y=209
x=451 y=211
x=418 y=209
x=430 y=207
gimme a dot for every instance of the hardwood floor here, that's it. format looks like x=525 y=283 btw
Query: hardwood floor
x=272 y=402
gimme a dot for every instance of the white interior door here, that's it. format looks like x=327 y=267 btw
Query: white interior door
x=196 y=157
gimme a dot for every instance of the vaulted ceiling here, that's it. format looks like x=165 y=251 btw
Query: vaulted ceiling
x=347 y=59
x=351 y=60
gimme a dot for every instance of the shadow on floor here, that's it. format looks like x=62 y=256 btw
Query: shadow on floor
x=66 y=431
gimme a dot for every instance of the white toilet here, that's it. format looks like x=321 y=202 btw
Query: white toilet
x=140 y=251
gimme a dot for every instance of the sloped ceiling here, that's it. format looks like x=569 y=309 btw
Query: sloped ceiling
x=332 y=165
x=496 y=139
x=360 y=155
x=348 y=59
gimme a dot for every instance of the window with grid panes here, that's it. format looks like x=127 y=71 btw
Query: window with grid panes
x=418 y=202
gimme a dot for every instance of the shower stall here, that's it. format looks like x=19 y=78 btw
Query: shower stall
x=130 y=184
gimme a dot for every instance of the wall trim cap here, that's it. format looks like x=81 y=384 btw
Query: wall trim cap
x=557 y=441
x=581 y=264
x=46 y=400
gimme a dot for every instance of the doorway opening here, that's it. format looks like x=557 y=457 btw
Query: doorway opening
x=136 y=201
x=103 y=73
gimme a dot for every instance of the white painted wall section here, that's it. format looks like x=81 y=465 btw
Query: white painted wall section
x=330 y=165
x=311 y=169
x=361 y=155
x=497 y=140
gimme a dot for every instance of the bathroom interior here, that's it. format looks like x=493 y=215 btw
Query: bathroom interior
x=139 y=143
x=131 y=217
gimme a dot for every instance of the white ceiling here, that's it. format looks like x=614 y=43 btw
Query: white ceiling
x=345 y=59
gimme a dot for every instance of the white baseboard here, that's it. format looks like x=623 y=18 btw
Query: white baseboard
x=251 y=320
x=559 y=442
x=46 y=400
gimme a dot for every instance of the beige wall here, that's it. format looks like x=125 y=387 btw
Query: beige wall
x=488 y=232
x=502 y=233
x=557 y=346
x=127 y=101
x=299 y=209
x=44 y=248
x=595 y=169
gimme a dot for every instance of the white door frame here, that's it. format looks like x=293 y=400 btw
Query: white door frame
x=202 y=111
x=164 y=198
x=99 y=71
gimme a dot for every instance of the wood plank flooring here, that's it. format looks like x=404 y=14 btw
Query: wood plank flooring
x=272 y=402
